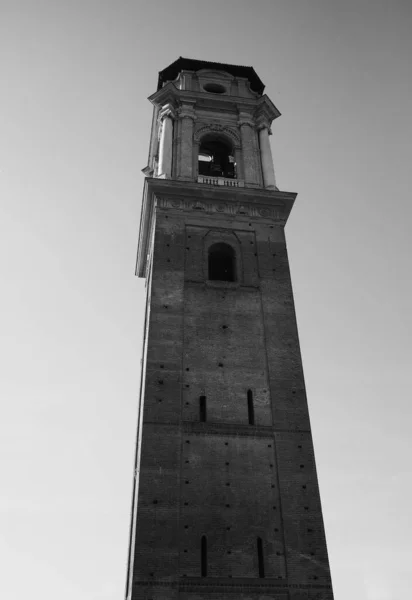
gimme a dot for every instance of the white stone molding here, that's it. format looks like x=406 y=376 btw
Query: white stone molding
x=268 y=169
x=166 y=116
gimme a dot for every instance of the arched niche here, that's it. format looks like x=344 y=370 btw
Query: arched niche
x=226 y=244
x=216 y=152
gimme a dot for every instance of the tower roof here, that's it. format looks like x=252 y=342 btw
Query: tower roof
x=190 y=64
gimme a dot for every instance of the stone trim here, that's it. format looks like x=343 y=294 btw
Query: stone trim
x=231 y=585
x=236 y=429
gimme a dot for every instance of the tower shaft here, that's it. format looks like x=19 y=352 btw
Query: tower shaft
x=226 y=498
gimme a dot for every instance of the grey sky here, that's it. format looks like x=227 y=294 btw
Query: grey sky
x=74 y=131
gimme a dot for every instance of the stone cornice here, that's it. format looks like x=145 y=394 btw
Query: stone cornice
x=265 y=112
x=219 y=208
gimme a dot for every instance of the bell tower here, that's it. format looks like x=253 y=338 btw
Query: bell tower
x=226 y=500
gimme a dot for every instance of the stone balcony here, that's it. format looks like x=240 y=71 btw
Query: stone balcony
x=209 y=180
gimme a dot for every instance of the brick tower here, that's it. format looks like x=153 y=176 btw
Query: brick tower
x=226 y=500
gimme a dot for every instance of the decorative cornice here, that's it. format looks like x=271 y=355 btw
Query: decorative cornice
x=233 y=209
x=265 y=113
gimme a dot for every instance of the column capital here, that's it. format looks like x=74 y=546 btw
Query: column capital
x=262 y=122
x=168 y=110
x=187 y=111
x=245 y=119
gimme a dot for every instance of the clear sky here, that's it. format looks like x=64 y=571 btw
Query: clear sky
x=74 y=132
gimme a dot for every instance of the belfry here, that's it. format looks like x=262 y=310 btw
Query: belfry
x=226 y=502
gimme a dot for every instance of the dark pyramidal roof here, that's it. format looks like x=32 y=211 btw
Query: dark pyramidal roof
x=190 y=64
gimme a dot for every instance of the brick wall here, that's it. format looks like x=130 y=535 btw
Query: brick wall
x=225 y=478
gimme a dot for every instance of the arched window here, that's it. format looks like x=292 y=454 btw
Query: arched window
x=222 y=262
x=203 y=556
x=250 y=408
x=260 y=557
x=216 y=159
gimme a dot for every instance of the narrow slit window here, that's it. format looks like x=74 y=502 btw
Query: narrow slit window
x=260 y=557
x=204 y=556
x=250 y=408
x=202 y=409
x=222 y=263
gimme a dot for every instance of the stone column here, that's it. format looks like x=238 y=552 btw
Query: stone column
x=266 y=157
x=166 y=117
x=247 y=134
x=185 y=155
